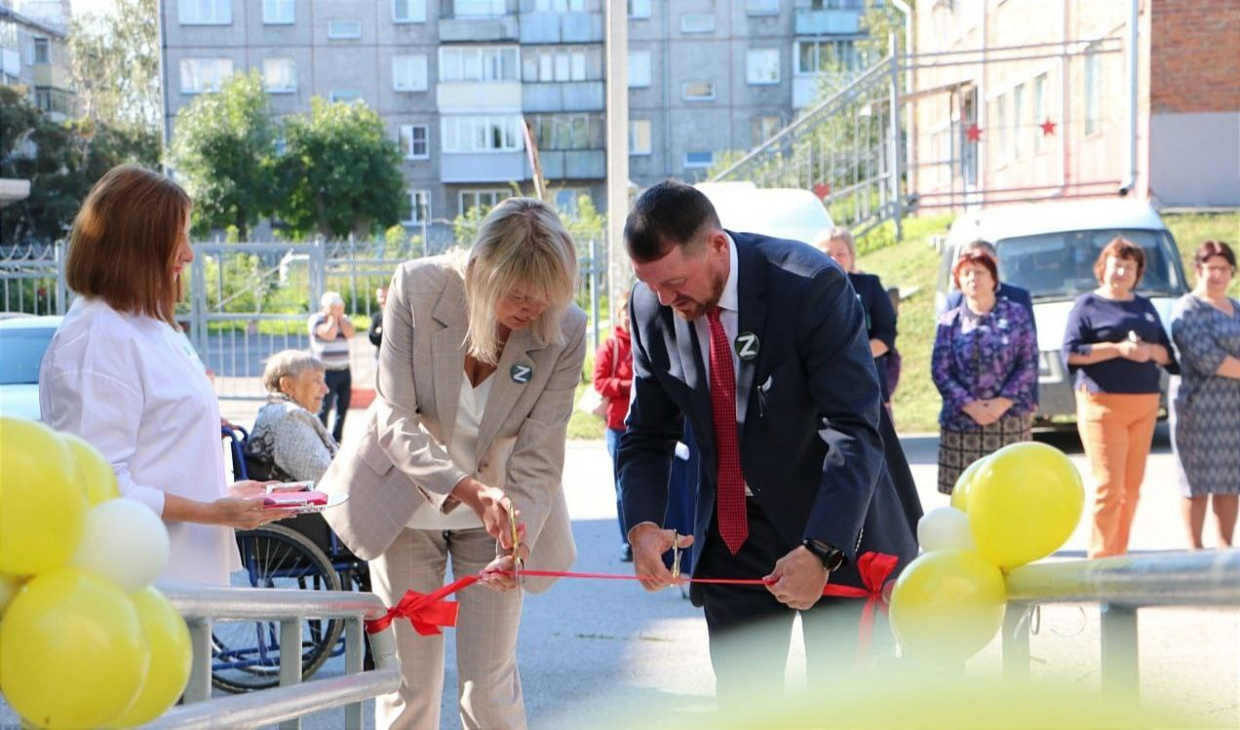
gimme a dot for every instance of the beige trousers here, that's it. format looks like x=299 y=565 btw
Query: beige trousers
x=486 y=635
x=1116 y=430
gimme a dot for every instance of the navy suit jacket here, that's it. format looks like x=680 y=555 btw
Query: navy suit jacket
x=815 y=441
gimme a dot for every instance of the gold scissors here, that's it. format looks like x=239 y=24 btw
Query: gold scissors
x=517 y=563
x=675 y=556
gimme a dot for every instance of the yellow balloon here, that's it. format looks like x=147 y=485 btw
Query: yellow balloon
x=72 y=653
x=1024 y=504
x=93 y=471
x=42 y=508
x=947 y=605
x=960 y=492
x=171 y=656
x=9 y=586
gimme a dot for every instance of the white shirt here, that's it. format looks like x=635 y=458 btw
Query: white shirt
x=464 y=452
x=133 y=387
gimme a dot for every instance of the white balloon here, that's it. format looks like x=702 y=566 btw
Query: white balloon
x=124 y=541
x=945 y=528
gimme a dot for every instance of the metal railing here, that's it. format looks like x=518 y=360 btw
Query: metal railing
x=1121 y=586
x=286 y=704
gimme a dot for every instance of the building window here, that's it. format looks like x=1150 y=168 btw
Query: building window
x=1018 y=118
x=345 y=95
x=202 y=75
x=559 y=6
x=415 y=141
x=408 y=11
x=568 y=131
x=42 y=50
x=478 y=63
x=639 y=69
x=817 y=56
x=278 y=12
x=567 y=201
x=1039 y=108
x=697 y=23
x=280 y=75
x=484 y=200
x=639 y=8
x=1093 y=89
x=409 y=73
x=482 y=134
x=419 y=208
x=205 y=12
x=639 y=137
x=699 y=159
x=479 y=8
x=697 y=91
x=762 y=7
x=765 y=127
x=762 y=66
x=548 y=64
x=1001 y=137
x=344 y=29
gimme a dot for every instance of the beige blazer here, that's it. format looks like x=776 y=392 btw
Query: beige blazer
x=401 y=463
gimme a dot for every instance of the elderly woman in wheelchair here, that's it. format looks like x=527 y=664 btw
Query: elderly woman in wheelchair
x=288 y=442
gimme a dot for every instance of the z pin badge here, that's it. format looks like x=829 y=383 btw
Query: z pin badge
x=521 y=373
x=747 y=346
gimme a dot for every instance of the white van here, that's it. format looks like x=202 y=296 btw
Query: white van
x=789 y=213
x=1050 y=249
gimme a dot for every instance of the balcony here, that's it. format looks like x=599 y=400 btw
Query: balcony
x=828 y=22
x=477 y=96
x=52 y=76
x=480 y=167
x=481 y=29
x=572 y=96
x=574 y=164
x=562 y=28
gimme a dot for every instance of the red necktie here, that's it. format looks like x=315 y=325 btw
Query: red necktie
x=730 y=483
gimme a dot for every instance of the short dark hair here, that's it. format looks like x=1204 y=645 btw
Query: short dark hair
x=1209 y=249
x=980 y=244
x=1123 y=249
x=667 y=214
x=969 y=258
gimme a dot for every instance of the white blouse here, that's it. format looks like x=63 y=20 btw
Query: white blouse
x=133 y=387
x=464 y=452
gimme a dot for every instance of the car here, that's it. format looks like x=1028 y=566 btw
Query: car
x=23 y=340
x=791 y=213
x=1050 y=249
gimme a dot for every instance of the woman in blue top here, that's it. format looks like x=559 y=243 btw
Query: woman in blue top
x=985 y=365
x=1205 y=408
x=1114 y=342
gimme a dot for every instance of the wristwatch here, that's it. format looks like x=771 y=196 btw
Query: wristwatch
x=832 y=557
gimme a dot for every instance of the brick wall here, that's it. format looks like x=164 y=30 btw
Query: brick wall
x=1195 y=61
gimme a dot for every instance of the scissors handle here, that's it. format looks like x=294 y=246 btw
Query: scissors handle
x=675 y=556
x=517 y=563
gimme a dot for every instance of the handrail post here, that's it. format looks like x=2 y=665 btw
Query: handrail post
x=354 y=652
x=1120 y=668
x=199 y=687
x=290 y=662
x=1016 y=641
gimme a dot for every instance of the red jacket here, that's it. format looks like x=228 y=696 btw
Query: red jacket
x=613 y=375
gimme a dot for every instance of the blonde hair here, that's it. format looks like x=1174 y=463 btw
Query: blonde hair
x=287 y=362
x=839 y=234
x=521 y=243
x=124 y=239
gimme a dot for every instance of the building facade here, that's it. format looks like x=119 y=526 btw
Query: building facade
x=1033 y=99
x=458 y=80
x=34 y=53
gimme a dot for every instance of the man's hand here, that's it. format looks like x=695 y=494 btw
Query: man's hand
x=798 y=579
x=649 y=542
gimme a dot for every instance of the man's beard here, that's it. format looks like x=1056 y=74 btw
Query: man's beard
x=698 y=309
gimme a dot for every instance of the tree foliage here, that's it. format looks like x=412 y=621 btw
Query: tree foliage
x=340 y=173
x=224 y=153
x=62 y=161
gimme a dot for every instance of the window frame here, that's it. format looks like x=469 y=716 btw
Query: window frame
x=413 y=59
x=498 y=195
x=290 y=5
x=406 y=131
x=704 y=29
x=454 y=128
x=293 y=75
x=634 y=151
x=684 y=91
x=698 y=166
x=221 y=12
x=204 y=89
x=414 y=209
x=333 y=35
x=482 y=58
x=649 y=63
x=413 y=17
x=749 y=77
x=646 y=4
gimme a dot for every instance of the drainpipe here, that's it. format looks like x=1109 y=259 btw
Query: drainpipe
x=1130 y=164
x=911 y=123
x=1064 y=112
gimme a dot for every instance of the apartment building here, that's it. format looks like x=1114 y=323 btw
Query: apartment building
x=34 y=54
x=1040 y=101
x=456 y=80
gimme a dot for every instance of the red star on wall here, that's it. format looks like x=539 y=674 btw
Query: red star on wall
x=1048 y=128
x=822 y=190
x=973 y=133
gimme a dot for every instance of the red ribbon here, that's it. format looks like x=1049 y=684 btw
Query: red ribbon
x=429 y=612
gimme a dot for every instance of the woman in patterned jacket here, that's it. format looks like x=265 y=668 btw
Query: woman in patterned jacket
x=985 y=365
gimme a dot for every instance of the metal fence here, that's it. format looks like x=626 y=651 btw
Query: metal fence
x=31 y=278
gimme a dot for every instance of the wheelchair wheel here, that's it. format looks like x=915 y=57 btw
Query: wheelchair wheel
x=246 y=655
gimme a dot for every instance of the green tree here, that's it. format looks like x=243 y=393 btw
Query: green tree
x=224 y=153
x=340 y=173
x=115 y=67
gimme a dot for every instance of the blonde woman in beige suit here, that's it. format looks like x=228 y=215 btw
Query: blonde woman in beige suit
x=481 y=358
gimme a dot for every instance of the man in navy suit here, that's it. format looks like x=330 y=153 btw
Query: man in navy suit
x=761 y=344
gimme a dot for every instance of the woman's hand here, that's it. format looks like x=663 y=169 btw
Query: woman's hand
x=248 y=488
x=980 y=414
x=499 y=575
x=244 y=513
x=492 y=507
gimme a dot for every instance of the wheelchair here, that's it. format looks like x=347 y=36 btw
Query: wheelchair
x=301 y=553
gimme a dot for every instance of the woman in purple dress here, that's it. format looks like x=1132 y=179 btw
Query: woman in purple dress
x=985 y=365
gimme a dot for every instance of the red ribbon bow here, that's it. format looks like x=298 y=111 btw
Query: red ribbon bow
x=874 y=569
x=426 y=611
